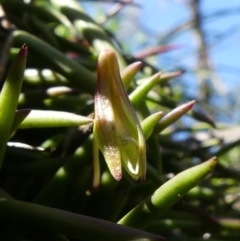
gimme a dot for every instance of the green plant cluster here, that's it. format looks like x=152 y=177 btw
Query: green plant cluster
x=50 y=52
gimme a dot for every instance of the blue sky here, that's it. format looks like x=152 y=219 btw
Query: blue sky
x=156 y=17
x=162 y=15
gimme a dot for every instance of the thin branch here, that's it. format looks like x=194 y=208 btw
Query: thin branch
x=115 y=9
x=202 y=49
x=222 y=12
x=110 y=1
x=189 y=23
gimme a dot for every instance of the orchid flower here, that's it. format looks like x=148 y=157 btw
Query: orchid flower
x=117 y=131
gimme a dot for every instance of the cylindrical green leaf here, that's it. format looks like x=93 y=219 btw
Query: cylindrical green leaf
x=230 y=223
x=164 y=76
x=128 y=73
x=9 y=97
x=141 y=91
x=67 y=223
x=173 y=116
x=94 y=33
x=78 y=75
x=43 y=119
x=39 y=95
x=167 y=195
x=149 y=123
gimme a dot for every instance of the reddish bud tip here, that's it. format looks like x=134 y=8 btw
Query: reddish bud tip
x=191 y=104
x=118 y=176
x=23 y=51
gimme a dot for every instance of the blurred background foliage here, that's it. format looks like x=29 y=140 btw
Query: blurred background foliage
x=55 y=169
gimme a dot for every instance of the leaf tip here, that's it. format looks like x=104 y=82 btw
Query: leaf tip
x=23 y=51
x=191 y=104
x=214 y=161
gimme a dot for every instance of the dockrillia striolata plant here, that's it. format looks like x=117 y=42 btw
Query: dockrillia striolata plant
x=117 y=130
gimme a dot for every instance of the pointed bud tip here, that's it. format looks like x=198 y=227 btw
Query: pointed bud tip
x=189 y=105
x=158 y=74
x=118 y=176
x=108 y=52
x=106 y=57
x=159 y=114
x=214 y=161
x=138 y=64
x=23 y=51
x=135 y=66
x=179 y=73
